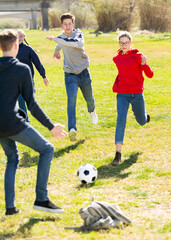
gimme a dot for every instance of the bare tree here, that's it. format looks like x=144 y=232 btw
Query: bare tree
x=131 y=8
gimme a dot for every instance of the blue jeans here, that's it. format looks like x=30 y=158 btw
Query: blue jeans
x=33 y=139
x=72 y=82
x=138 y=108
x=22 y=104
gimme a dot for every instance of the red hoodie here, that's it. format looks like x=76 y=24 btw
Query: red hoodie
x=130 y=72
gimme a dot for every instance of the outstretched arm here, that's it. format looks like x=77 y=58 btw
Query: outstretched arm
x=77 y=42
x=57 y=49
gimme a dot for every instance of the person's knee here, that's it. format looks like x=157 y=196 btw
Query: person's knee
x=50 y=148
x=13 y=159
x=47 y=149
x=141 y=118
x=142 y=122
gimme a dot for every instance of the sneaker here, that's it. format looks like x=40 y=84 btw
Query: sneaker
x=47 y=206
x=72 y=134
x=12 y=211
x=148 y=118
x=94 y=118
x=117 y=159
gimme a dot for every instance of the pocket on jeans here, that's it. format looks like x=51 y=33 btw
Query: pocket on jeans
x=70 y=78
x=86 y=73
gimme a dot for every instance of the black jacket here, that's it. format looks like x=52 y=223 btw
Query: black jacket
x=27 y=55
x=15 y=79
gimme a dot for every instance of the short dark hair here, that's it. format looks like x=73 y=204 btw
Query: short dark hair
x=7 y=39
x=67 y=16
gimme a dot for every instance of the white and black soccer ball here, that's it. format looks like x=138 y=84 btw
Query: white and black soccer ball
x=87 y=173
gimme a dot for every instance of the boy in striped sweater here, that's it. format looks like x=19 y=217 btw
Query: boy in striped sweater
x=75 y=66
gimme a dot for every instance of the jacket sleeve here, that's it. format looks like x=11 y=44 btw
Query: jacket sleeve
x=57 y=48
x=147 y=70
x=37 y=63
x=114 y=59
x=77 y=41
x=139 y=58
x=26 y=90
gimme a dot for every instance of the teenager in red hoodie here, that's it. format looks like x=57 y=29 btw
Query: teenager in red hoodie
x=129 y=88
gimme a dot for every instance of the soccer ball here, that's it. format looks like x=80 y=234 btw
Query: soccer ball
x=87 y=173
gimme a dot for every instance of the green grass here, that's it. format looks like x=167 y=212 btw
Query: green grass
x=140 y=184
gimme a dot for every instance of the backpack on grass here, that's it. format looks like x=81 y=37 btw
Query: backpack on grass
x=102 y=215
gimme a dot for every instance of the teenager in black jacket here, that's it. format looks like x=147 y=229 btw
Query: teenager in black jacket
x=26 y=54
x=15 y=80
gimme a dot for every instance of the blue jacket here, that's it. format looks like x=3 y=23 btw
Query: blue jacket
x=27 y=55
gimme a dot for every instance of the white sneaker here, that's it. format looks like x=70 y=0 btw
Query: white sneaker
x=94 y=118
x=72 y=134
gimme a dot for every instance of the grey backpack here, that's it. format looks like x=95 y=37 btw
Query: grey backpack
x=102 y=215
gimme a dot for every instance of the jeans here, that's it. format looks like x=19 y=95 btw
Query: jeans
x=138 y=108
x=33 y=139
x=72 y=82
x=22 y=104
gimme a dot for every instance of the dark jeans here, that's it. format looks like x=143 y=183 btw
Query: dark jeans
x=33 y=139
x=22 y=104
x=72 y=82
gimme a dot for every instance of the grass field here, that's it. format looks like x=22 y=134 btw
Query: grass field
x=141 y=184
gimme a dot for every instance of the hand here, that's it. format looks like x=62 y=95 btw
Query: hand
x=57 y=55
x=143 y=59
x=50 y=38
x=58 y=131
x=46 y=81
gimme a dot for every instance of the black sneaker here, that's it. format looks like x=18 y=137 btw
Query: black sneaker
x=12 y=211
x=148 y=118
x=117 y=159
x=47 y=206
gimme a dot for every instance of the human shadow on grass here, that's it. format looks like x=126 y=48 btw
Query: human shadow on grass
x=27 y=160
x=26 y=228
x=108 y=171
x=87 y=230
x=61 y=152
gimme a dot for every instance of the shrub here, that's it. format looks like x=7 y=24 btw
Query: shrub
x=154 y=15
x=112 y=14
x=13 y=23
x=54 y=18
x=84 y=14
